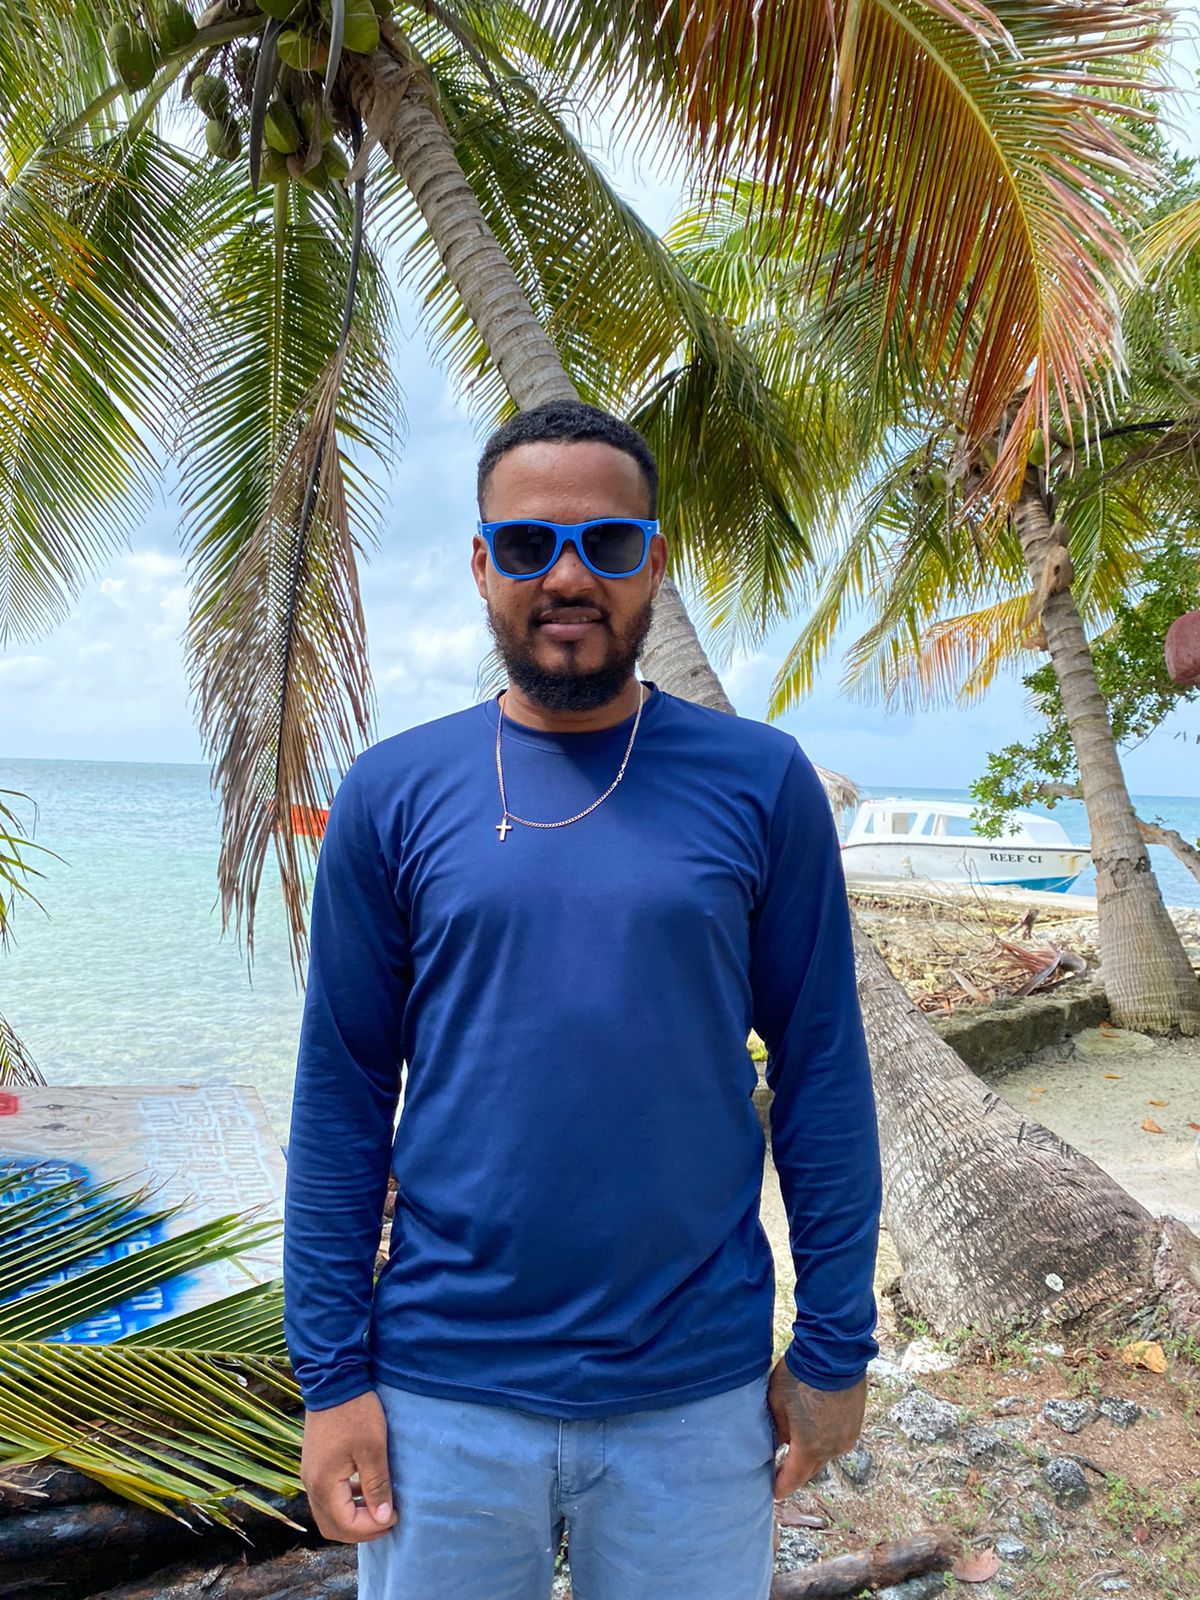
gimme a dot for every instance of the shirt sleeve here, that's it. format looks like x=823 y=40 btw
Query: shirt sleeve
x=824 y=1136
x=343 y=1112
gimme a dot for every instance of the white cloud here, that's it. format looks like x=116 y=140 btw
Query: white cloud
x=25 y=672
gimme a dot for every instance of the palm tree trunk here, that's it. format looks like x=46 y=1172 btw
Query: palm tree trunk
x=1040 y=1204
x=394 y=100
x=674 y=658
x=1147 y=975
x=983 y=1204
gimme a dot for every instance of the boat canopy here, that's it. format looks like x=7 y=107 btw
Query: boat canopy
x=945 y=819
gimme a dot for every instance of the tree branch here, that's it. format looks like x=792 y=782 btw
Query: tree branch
x=875 y=1569
x=1159 y=424
x=1152 y=832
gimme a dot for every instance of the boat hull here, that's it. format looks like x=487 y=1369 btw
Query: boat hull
x=992 y=863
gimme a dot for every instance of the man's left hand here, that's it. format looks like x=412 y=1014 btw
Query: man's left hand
x=815 y=1424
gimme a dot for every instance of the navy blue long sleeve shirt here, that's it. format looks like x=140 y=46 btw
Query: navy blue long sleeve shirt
x=578 y=1159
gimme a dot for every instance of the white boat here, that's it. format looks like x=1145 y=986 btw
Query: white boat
x=936 y=840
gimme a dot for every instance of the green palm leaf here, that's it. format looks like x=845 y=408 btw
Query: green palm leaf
x=197 y=1412
x=17 y=1066
x=17 y=871
x=98 y=230
x=248 y=1323
x=972 y=150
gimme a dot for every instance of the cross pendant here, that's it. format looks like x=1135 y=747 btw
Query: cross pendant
x=504 y=827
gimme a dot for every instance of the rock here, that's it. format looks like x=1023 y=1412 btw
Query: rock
x=1066 y=1481
x=1009 y=1548
x=1123 y=1412
x=1069 y=1415
x=795 y=1549
x=1113 y=1585
x=922 y=1588
x=922 y=1355
x=1007 y=1403
x=1013 y=1427
x=885 y=1370
x=1095 y=1042
x=982 y=1444
x=923 y=1418
x=1043 y=1515
x=856 y=1465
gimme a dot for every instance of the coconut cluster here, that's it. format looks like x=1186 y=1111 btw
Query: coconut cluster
x=298 y=142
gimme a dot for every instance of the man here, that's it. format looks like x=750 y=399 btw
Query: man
x=563 y=911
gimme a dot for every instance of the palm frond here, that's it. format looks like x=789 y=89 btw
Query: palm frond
x=17 y=1066
x=95 y=231
x=17 y=870
x=972 y=154
x=954 y=659
x=1170 y=239
x=289 y=385
x=172 y=1430
x=196 y=1414
x=247 y=1323
x=732 y=473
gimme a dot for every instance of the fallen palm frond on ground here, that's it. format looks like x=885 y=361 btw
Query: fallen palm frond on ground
x=967 y=950
x=193 y=1415
x=1004 y=970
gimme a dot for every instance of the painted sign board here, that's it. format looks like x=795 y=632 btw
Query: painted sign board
x=211 y=1149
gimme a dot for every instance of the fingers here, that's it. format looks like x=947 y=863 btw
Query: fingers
x=342 y=1515
x=374 y=1481
x=795 y=1470
x=344 y=1468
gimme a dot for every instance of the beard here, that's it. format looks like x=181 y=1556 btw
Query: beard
x=570 y=689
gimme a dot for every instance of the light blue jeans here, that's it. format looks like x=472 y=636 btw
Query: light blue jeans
x=659 y=1505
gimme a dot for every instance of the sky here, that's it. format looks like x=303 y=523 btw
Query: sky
x=110 y=683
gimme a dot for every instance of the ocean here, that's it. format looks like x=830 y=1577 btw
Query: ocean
x=125 y=976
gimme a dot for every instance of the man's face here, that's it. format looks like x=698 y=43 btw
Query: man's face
x=569 y=639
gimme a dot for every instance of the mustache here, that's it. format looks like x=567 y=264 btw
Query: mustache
x=565 y=612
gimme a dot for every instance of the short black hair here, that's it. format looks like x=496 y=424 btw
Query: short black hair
x=574 y=422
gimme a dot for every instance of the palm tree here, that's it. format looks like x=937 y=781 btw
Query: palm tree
x=962 y=576
x=284 y=375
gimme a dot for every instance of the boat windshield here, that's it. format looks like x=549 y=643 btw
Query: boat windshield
x=944 y=825
x=1044 y=830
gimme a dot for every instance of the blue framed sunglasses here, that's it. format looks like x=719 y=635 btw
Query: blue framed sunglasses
x=611 y=547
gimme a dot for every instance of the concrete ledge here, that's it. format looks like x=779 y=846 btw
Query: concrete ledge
x=994 y=1039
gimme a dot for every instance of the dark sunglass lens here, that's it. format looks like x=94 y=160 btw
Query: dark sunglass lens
x=614 y=547
x=519 y=548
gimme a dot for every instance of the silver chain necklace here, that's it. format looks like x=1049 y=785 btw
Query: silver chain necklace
x=504 y=826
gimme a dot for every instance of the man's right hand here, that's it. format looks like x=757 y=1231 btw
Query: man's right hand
x=344 y=1470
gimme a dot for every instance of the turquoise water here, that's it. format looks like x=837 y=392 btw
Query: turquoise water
x=127 y=978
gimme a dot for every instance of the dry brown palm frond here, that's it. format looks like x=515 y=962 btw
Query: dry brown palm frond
x=841 y=792
x=283 y=684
